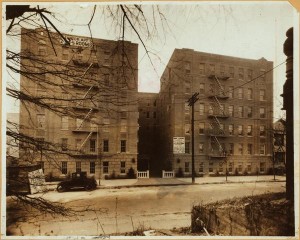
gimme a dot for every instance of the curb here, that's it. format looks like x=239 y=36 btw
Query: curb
x=183 y=184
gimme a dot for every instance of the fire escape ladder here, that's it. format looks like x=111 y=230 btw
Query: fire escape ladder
x=221 y=111
x=220 y=86
x=84 y=96
x=219 y=144
x=82 y=76
x=85 y=140
x=220 y=130
x=86 y=116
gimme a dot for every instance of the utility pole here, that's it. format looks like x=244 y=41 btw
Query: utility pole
x=191 y=102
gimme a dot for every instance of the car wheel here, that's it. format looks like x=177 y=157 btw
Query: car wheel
x=60 y=188
x=88 y=187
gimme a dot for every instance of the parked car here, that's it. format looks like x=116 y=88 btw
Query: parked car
x=78 y=180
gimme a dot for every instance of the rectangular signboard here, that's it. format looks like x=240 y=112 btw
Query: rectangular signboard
x=178 y=145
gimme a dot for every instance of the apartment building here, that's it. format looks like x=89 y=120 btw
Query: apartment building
x=91 y=88
x=233 y=116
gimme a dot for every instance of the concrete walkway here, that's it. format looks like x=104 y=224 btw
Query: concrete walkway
x=145 y=182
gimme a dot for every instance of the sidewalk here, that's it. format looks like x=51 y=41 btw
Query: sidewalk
x=144 y=182
x=148 y=182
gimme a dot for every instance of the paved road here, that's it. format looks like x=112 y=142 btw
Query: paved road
x=109 y=211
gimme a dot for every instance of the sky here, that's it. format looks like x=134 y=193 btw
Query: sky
x=246 y=30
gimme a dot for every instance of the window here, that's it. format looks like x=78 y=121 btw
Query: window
x=212 y=68
x=187 y=128
x=249 y=114
x=278 y=139
x=249 y=167
x=222 y=70
x=240 y=130
x=230 y=167
x=262 y=74
x=262 y=95
x=230 y=110
x=64 y=123
x=230 y=129
x=187 y=147
x=64 y=167
x=220 y=167
x=65 y=55
x=41 y=121
x=123 y=167
x=202 y=68
x=105 y=165
x=201 y=167
x=262 y=167
x=77 y=144
x=210 y=109
x=123 y=145
x=240 y=93
x=187 y=86
x=211 y=167
x=201 y=91
x=105 y=145
x=64 y=144
x=250 y=73
x=79 y=123
x=230 y=91
x=262 y=112
x=249 y=149
x=231 y=72
x=241 y=111
x=249 y=130
x=201 y=147
x=201 y=109
x=250 y=94
x=78 y=167
x=147 y=114
x=186 y=167
x=154 y=103
x=106 y=80
x=241 y=73
x=240 y=148
x=201 y=128
x=262 y=131
x=92 y=145
x=93 y=126
x=123 y=114
x=262 y=149
x=92 y=167
x=106 y=122
x=42 y=51
x=231 y=148
x=240 y=167
x=187 y=67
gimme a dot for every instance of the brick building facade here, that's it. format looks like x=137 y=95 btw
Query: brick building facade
x=92 y=85
x=233 y=116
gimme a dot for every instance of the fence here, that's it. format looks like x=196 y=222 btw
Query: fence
x=168 y=174
x=144 y=174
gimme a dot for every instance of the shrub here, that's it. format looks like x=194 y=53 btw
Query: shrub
x=236 y=172
x=245 y=172
x=131 y=174
x=179 y=173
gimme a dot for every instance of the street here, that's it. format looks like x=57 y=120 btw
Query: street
x=116 y=211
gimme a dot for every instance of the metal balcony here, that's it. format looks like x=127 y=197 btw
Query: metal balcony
x=218 y=114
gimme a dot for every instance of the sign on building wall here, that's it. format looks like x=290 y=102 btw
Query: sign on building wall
x=178 y=145
x=37 y=181
x=77 y=41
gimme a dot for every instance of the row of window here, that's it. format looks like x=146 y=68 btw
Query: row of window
x=92 y=167
x=221 y=168
x=214 y=148
x=241 y=93
x=242 y=111
x=79 y=123
x=149 y=113
x=230 y=71
x=220 y=130
x=92 y=145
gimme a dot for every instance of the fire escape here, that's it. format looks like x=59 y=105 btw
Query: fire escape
x=85 y=128
x=217 y=115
